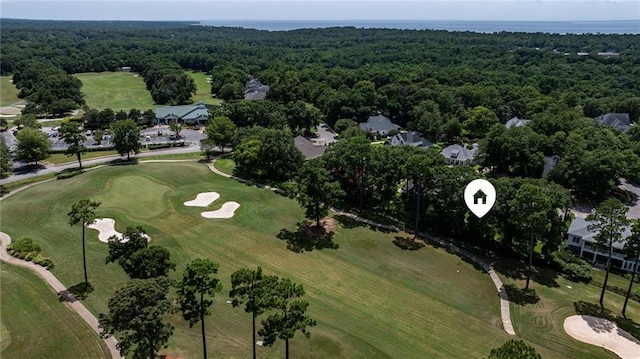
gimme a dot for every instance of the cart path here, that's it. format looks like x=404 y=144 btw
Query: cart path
x=59 y=288
x=505 y=311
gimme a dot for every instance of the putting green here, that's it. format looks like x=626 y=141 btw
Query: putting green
x=137 y=196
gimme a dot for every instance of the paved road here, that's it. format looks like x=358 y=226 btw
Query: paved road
x=634 y=207
x=60 y=289
x=55 y=169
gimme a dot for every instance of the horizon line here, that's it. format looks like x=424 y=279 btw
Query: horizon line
x=328 y=20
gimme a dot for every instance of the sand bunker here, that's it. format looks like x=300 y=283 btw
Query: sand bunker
x=107 y=228
x=227 y=210
x=603 y=333
x=203 y=199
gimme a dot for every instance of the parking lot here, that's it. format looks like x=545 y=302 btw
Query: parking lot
x=155 y=135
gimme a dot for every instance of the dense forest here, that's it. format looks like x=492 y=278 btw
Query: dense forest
x=452 y=87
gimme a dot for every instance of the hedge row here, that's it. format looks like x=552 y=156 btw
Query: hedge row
x=25 y=249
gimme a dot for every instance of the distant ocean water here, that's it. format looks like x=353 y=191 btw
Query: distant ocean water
x=554 y=27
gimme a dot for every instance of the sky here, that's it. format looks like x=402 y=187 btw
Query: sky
x=201 y=10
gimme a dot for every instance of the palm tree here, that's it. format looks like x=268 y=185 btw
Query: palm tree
x=83 y=212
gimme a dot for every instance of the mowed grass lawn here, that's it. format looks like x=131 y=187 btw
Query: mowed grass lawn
x=8 y=91
x=370 y=298
x=35 y=324
x=115 y=90
x=203 y=88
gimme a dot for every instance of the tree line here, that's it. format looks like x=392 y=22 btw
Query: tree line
x=347 y=72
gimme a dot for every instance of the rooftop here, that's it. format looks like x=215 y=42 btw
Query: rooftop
x=308 y=149
x=579 y=228
x=619 y=121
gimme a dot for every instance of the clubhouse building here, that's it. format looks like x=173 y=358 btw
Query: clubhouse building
x=197 y=114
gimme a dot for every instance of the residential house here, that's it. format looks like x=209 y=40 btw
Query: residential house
x=580 y=240
x=307 y=148
x=405 y=138
x=618 y=121
x=255 y=90
x=379 y=124
x=457 y=155
x=190 y=114
x=516 y=122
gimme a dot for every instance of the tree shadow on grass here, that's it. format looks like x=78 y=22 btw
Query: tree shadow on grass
x=348 y=222
x=307 y=238
x=75 y=293
x=408 y=243
x=594 y=310
x=629 y=326
x=521 y=296
x=457 y=251
x=517 y=269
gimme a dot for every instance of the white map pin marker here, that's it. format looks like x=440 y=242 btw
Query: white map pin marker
x=480 y=196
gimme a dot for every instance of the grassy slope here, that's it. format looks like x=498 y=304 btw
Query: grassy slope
x=370 y=298
x=225 y=165
x=203 y=88
x=40 y=326
x=8 y=92
x=115 y=90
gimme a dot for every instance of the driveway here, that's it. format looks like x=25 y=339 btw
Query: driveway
x=634 y=206
x=326 y=136
x=583 y=210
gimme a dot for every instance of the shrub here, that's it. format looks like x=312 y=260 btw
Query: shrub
x=514 y=349
x=63 y=175
x=25 y=249
x=24 y=245
x=574 y=268
x=578 y=272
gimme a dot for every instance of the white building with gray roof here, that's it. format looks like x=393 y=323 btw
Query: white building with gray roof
x=457 y=155
x=580 y=240
x=189 y=114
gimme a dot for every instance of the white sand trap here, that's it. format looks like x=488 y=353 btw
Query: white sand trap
x=203 y=199
x=106 y=228
x=603 y=333
x=227 y=210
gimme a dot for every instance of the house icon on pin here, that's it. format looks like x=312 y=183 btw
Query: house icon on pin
x=479 y=198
